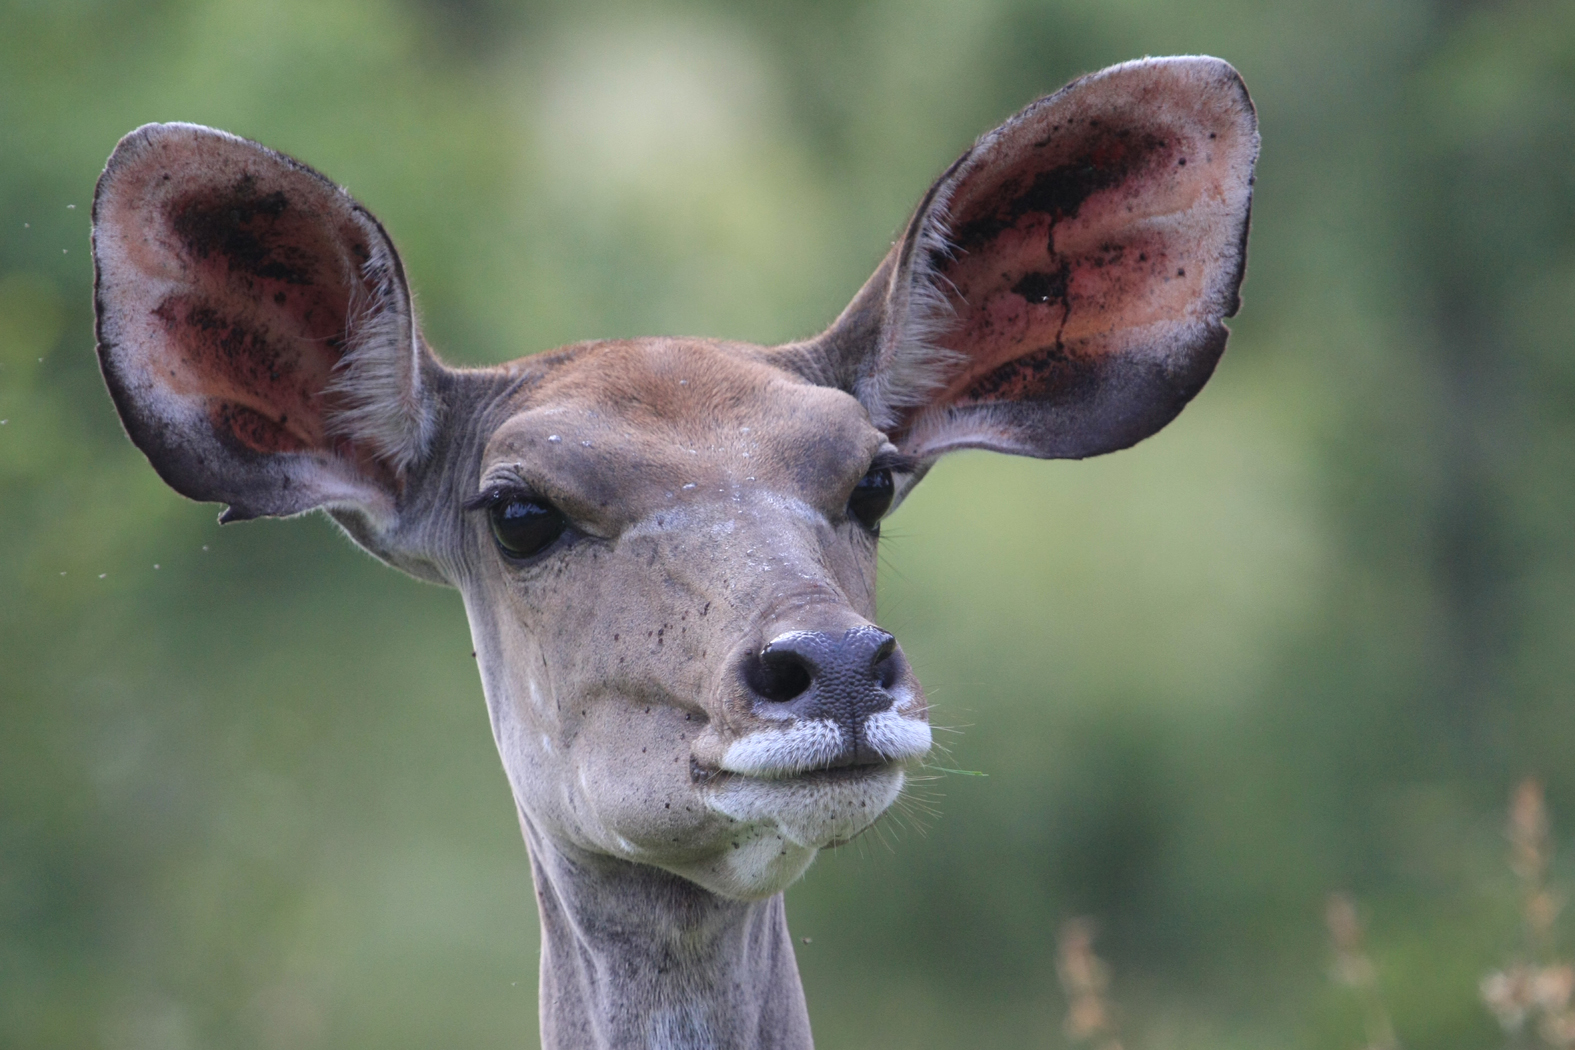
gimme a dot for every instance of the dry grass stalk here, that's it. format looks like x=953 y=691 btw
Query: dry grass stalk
x=1356 y=971
x=1532 y=993
x=1085 y=979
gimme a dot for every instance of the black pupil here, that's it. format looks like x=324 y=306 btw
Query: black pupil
x=871 y=498
x=524 y=527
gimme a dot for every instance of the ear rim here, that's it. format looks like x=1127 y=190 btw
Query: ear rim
x=890 y=327
x=181 y=445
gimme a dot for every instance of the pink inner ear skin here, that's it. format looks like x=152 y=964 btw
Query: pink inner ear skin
x=259 y=321
x=1060 y=252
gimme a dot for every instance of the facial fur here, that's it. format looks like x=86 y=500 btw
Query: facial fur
x=706 y=492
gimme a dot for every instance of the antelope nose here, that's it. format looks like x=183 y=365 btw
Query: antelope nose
x=815 y=674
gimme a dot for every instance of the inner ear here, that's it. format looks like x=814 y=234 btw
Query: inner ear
x=1061 y=290
x=261 y=322
x=1087 y=234
x=254 y=327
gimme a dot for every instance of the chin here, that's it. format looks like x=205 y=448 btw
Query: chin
x=779 y=824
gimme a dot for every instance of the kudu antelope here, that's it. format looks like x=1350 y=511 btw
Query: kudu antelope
x=666 y=547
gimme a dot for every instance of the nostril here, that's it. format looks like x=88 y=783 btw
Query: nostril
x=779 y=675
x=886 y=672
x=882 y=655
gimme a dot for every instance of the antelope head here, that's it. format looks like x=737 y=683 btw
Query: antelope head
x=666 y=546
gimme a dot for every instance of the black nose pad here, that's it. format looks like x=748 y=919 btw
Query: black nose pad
x=814 y=674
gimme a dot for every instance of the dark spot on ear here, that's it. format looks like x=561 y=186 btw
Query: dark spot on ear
x=1042 y=287
x=252 y=430
x=1182 y=163
x=242 y=226
x=225 y=348
x=1048 y=374
x=1059 y=192
x=240 y=361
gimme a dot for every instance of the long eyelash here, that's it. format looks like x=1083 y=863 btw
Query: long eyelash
x=897 y=462
x=493 y=495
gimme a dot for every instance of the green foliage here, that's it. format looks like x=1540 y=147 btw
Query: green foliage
x=1304 y=639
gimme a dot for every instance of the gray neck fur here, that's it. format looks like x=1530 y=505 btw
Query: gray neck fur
x=635 y=958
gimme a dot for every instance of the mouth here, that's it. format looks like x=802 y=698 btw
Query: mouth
x=813 y=783
x=849 y=770
x=819 y=745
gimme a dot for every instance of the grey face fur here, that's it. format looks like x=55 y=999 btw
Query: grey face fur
x=684 y=679
x=708 y=494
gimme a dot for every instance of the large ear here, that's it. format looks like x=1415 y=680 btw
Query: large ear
x=255 y=328
x=1060 y=290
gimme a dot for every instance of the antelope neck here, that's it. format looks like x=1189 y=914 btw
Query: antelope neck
x=636 y=958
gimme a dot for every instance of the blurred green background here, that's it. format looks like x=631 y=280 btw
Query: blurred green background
x=1305 y=639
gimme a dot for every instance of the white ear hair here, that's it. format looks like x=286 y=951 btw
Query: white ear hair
x=378 y=382
x=910 y=365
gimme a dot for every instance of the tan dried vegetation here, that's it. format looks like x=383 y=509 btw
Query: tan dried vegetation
x=1530 y=995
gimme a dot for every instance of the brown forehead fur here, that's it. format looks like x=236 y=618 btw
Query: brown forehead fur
x=637 y=420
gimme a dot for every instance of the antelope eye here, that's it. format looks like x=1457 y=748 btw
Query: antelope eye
x=524 y=527
x=871 y=498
